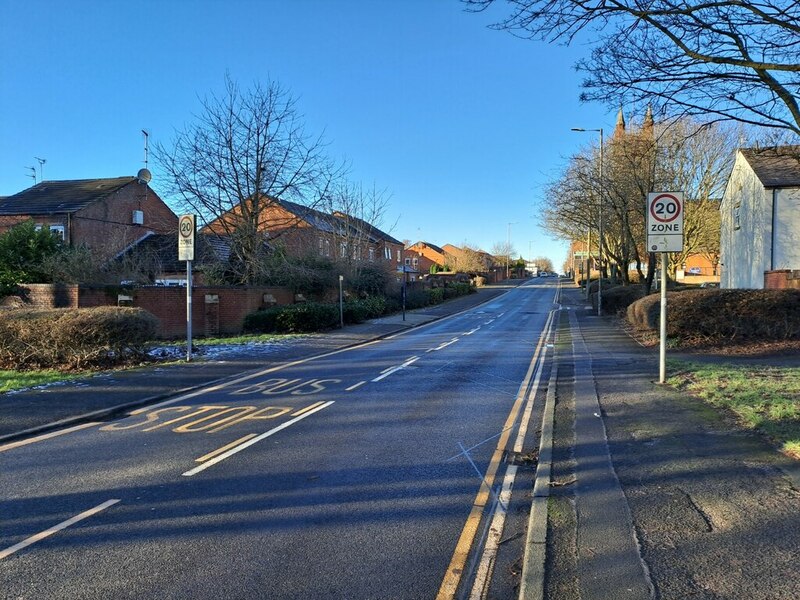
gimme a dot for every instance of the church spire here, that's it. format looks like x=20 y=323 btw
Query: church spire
x=619 y=129
x=647 y=126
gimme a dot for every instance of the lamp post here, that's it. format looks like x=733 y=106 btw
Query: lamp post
x=508 y=248
x=599 y=227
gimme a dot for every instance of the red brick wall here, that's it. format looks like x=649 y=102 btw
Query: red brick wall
x=48 y=295
x=168 y=304
x=781 y=280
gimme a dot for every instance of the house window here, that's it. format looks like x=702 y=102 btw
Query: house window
x=371 y=254
x=387 y=252
x=408 y=262
x=737 y=224
x=415 y=261
x=59 y=231
x=327 y=247
x=398 y=256
x=321 y=248
x=342 y=249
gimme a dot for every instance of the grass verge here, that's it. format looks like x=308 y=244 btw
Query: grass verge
x=17 y=380
x=765 y=399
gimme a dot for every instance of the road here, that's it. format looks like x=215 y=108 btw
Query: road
x=362 y=473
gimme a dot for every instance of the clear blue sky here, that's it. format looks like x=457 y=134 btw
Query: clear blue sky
x=463 y=125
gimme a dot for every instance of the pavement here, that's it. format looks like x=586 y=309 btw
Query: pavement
x=655 y=494
x=668 y=500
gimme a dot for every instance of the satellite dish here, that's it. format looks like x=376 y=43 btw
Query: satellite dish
x=144 y=176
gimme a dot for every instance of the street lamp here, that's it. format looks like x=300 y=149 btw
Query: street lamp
x=508 y=247
x=600 y=227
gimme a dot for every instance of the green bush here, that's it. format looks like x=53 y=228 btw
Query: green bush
x=262 y=321
x=607 y=285
x=313 y=316
x=458 y=289
x=23 y=248
x=723 y=316
x=416 y=299
x=74 y=338
x=297 y=318
x=619 y=297
x=435 y=296
x=358 y=311
x=372 y=281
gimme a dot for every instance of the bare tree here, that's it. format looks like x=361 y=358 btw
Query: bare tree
x=245 y=149
x=502 y=252
x=358 y=214
x=685 y=157
x=543 y=263
x=467 y=259
x=723 y=59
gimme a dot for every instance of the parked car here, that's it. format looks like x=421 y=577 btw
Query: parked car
x=709 y=284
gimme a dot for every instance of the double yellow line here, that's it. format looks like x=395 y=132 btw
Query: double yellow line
x=455 y=571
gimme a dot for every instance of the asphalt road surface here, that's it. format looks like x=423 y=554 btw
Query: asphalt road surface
x=372 y=472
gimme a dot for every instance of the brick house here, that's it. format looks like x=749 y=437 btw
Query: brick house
x=303 y=231
x=423 y=256
x=105 y=215
x=389 y=250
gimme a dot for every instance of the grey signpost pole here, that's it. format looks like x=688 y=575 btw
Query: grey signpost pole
x=662 y=353
x=186 y=235
x=341 y=302
x=188 y=310
x=664 y=235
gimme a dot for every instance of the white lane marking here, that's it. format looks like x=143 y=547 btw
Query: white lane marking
x=489 y=321
x=486 y=565
x=446 y=344
x=56 y=528
x=391 y=370
x=255 y=440
x=354 y=387
x=470 y=332
x=47 y=436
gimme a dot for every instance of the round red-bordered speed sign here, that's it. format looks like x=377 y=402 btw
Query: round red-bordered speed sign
x=665 y=208
x=186 y=226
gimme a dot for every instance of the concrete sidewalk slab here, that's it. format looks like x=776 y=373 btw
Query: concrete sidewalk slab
x=714 y=508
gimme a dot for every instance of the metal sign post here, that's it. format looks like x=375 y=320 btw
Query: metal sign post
x=341 y=302
x=664 y=235
x=186 y=238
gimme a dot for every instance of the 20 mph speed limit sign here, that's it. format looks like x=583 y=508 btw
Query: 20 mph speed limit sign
x=665 y=222
x=186 y=230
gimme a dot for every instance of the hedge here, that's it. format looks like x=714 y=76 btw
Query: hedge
x=74 y=338
x=718 y=316
x=313 y=316
x=619 y=297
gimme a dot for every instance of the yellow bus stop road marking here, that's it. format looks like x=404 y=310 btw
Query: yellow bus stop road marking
x=246 y=444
